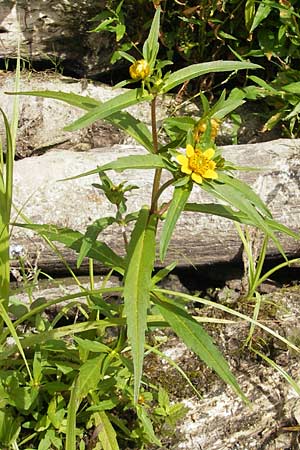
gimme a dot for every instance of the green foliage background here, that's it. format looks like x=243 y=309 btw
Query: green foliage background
x=265 y=32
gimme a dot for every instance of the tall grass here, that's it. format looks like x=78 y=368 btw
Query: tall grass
x=6 y=190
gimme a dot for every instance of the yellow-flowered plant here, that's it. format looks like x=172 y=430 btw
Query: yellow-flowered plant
x=144 y=304
x=198 y=163
x=201 y=127
x=139 y=70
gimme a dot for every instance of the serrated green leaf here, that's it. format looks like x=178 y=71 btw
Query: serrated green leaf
x=137 y=285
x=197 y=70
x=212 y=304
x=106 y=109
x=105 y=405
x=133 y=127
x=293 y=88
x=180 y=197
x=127 y=56
x=263 y=84
x=73 y=239
x=234 y=100
x=80 y=101
x=196 y=338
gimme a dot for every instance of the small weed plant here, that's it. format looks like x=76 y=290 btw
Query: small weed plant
x=82 y=385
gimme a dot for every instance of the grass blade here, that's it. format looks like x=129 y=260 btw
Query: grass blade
x=13 y=333
x=280 y=370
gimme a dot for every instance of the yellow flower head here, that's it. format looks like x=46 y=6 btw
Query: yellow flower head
x=198 y=164
x=139 y=70
x=201 y=127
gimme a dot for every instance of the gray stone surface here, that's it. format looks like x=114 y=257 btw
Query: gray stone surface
x=41 y=120
x=55 y=31
x=198 y=239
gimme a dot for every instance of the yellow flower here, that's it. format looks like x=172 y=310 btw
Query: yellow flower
x=198 y=164
x=139 y=70
x=201 y=127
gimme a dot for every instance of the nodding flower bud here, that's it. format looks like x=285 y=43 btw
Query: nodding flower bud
x=139 y=70
x=201 y=127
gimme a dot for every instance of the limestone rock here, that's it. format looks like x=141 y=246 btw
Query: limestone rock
x=41 y=120
x=199 y=239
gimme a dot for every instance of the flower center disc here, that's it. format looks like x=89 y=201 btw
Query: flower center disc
x=199 y=163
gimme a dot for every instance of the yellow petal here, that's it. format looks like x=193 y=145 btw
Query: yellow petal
x=197 y=178
x=210 y=174
x=190 y=151
x=182 y=159
x=185 y=169
x=209 y=153
x=212 y=165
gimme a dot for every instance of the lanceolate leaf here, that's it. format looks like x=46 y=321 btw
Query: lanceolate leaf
x=122 y=119
x=240 y=199
x=107 y=435
x=197 y=70
x=80 y=101
x=91 y=235
x=134 y=127
x=137 y=285
x=238 y=216
x=294 y=88
x=262 y=12
x=196 y=338
x=110 y=107
x=180 y=197
x=89 y=376
x=247 y=192
x=151 y=46
x=71 y=417
x=74 y=239
x=128 y=162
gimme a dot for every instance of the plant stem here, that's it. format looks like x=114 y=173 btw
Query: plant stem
x=162 y=188
x=157 y=176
